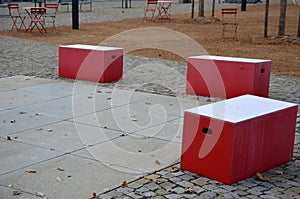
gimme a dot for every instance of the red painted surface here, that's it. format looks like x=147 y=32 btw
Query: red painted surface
x=91 y=65
x=226 y=78
x=237 y=150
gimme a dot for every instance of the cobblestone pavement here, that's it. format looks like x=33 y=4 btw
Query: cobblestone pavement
x=167 y=78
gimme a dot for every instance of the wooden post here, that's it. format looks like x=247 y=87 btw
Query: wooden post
x=266 y=19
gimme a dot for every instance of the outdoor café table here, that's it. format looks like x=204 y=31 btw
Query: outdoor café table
x=164 y=8
x=37 y=18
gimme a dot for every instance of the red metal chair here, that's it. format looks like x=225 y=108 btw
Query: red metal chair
x=51 y=9
x=15 y=16
x=229 y=21
x=37 y=19
x=150 y=8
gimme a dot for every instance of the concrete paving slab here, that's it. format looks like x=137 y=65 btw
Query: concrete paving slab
x=3 y=88
x=21 y=81
x=73 y=137
x=67 y=177
x=61 y=89
x=67 y=107
x=8 y=193
x=17 y=120
x=138 y=153
x=126 y=119
x=16 y=98
x=20 y=156
x=170 y=131
x=172 y=105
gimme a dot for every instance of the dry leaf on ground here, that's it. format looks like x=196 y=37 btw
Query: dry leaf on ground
x=30 y=171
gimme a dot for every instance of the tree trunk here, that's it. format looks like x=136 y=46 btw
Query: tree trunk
x=299 y=24
x=201 y=8
x=281 y=28
x=266 y=19
x=213 y=8
x=193 y=5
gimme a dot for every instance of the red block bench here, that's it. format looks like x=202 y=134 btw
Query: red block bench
x=227 y=77
x=92 y=63
x=234 y=139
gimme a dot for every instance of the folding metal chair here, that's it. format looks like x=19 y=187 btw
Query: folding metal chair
x=15 y=16
x=150 y=8
x=37 y=19
x=51 y=9
x=229 y=20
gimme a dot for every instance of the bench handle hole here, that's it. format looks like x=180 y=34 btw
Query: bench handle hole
x=207 y=131
x=262 y=70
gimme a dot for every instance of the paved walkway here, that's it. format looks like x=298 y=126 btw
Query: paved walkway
x=64 y=140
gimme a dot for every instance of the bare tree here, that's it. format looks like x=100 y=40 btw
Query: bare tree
x=201 y=8
x=193 y=5
x=266 y=19
x=281 y=28
x=213 y=8
x=299 y=23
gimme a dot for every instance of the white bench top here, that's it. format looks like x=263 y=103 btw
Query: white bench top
x=241 y=108
x=90 y=47
x=230 y=59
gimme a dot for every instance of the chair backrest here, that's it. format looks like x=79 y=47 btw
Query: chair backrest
x=229 y=12
x=152 y=1
x=37 y=13
x=51 y=9
x=13 y=9
x=51 y=5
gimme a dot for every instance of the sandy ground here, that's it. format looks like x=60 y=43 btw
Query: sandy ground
x=180 y=37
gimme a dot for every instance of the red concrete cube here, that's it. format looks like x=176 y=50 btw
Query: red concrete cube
x=227 y=77
x=234 y=139
x=91 y=63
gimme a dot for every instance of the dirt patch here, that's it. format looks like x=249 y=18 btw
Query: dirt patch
x=283 y=51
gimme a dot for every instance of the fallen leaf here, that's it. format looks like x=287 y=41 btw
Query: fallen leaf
x=50 y=130
x=39 y=129
x=169 y=190
x=260 y=177
x=40 y=194
x=8 y=137
x=139 y=193
x=277 y=172
x=109 y=98
x=37 y=114
x=16 y=193
x=133 y=119
x=89 y=97
x=157 y=162
x=22 y=112
x=189 y=190
x=160 y=180
x=30 y=170
x=124 y=183
x=12 y=121
x=58 y=179
x=147 y=103
x=98 y=91
x=123 y=134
